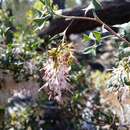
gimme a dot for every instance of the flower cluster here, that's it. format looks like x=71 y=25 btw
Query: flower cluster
x=56 y=71
x=120 y=75
x=120 y=83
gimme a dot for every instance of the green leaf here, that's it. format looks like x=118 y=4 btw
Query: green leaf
x=39 y=12
x=42 y=1
x=86 y=38
x=97 y=36
x=97 y=4
x=90 y=50
x=49 y=7
x=42 y=19
x=126 y=81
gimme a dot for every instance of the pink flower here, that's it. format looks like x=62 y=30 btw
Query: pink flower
x=56 y=73
x=56 y=79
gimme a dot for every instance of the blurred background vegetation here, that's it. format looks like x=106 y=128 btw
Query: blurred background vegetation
x=22 y=56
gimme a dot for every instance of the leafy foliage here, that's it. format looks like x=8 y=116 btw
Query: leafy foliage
x=69 y=86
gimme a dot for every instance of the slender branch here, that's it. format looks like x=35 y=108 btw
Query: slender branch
x=64 y=36
x=76 y=17
x=111 y=30
x=96 y=19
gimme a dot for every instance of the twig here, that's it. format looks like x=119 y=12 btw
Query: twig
x=64 y=36
x=96 y=19
x=76 y=17
x=111 y=30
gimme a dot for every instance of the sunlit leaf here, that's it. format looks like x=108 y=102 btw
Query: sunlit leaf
x=97 y=36
x=86 y=38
